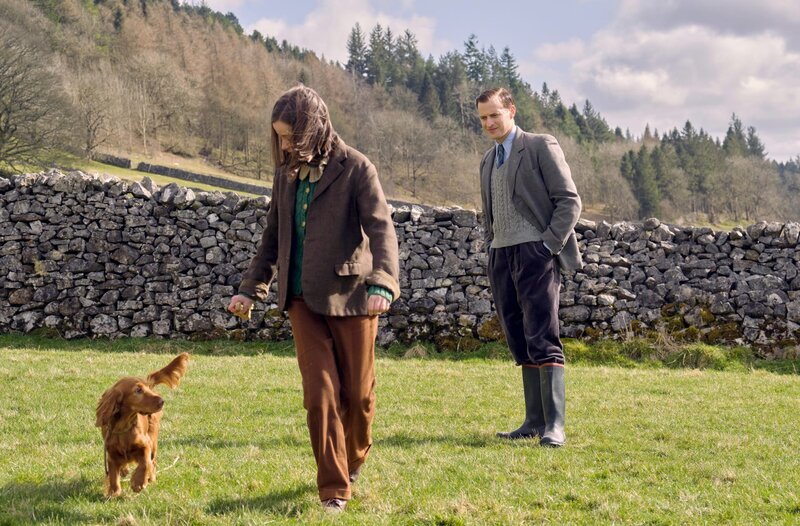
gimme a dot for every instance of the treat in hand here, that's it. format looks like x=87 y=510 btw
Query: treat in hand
x=241 y=311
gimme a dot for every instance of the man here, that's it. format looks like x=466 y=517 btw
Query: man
x=530 y=207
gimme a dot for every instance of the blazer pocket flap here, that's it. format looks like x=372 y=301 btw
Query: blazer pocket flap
x=352 y=268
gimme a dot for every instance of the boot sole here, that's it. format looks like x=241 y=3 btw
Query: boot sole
x=507 y=436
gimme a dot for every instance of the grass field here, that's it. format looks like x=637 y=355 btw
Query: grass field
x=69 y=161
x=646 y=444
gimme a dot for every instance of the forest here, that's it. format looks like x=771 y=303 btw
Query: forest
x=142 y=77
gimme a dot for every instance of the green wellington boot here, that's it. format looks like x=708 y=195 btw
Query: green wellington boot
x=551 y=379
x=534 y=423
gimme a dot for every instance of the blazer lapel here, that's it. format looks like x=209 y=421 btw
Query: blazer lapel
x=514 y=159
x=286 y=209
x=332 y=171
x=486 y=182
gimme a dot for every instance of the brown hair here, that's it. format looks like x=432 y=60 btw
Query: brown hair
x=313 y=136
x=506 y=99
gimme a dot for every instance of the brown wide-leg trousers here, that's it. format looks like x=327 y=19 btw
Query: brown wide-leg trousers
x=336 y=355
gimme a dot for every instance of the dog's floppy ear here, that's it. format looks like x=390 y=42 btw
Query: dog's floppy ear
x=108 y=406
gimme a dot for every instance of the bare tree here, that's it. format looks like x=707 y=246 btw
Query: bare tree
x=31 y=108
x=92 y=100
x=757 y=193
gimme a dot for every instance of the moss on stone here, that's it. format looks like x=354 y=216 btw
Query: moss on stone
x=491 y=330
x=592 y=334
x=726 y=332
x=689 y=334
x=456 y=343
x=707 y=316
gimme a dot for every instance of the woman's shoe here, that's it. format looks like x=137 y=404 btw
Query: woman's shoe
x=334 y=505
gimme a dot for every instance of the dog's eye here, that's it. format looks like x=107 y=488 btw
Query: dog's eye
x=138 y=389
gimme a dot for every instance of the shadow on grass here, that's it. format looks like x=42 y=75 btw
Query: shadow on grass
x=29 y=502
x=286 y=502
x=38 y=340
x=215 y=443
x=408 y=440
x=791 y=367
x=603 y=353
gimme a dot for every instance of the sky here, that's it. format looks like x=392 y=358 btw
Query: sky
x=639 y=62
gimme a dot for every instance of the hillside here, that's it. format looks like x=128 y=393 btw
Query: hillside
x=152 y=78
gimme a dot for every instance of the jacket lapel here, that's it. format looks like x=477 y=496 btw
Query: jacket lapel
x=332 y=171
x=514 y=159
x=287 y=207
x=486 y=182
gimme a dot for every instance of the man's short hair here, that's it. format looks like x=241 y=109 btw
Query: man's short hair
x=506 y=99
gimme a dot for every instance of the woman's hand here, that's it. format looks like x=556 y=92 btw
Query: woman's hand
x=241 y=306
x=377 y=305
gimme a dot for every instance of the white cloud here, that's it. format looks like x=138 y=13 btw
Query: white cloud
x=568 y=50
x=740 y=17
x=224 y=6
x=665 y=62
x=326 y=29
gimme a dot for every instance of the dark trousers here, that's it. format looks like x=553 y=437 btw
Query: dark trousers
x=525 y=282
x=336 y=355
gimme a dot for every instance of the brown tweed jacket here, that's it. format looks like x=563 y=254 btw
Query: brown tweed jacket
x=350 y=240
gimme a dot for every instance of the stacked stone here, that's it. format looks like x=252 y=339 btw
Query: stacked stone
x=741 y=285
x=96 y=256
x=443 y=275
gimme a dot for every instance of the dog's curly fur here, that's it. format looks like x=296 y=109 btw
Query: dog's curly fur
x=129 y=415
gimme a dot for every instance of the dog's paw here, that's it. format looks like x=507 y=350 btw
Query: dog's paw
x=113 y=493
x=138 y=482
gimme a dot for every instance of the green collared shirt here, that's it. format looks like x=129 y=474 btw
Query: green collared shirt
x=305 y=191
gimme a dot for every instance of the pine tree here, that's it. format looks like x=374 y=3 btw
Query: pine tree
x=548 y=111
x=755 y=148
x=565 y=120
x=585 y=132
x=665 y=163
x=411 y=66
x=645 y=185
x=475 y=61
x=377 y=57
x=509 y=74
x=356 y=53
x=599 y=130
x=735 y=143
x=647 y=136
x=450 y=78
x=394 y=75
x=428 y=97
x=627 y=168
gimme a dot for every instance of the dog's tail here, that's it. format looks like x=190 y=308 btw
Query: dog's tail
x=171 y=374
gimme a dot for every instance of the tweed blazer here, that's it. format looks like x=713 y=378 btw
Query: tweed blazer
x=542 y=190
x=350 y=240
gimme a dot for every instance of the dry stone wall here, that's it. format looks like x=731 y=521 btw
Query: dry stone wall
x=94 y=256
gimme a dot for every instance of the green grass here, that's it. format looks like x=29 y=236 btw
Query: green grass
x=72 y=162
x=647 y=444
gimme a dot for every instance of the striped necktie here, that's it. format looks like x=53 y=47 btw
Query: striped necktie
x=500 y=157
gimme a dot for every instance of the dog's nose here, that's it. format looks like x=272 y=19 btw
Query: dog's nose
x=160 y=403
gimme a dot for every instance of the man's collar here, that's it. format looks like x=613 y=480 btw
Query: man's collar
x=508 y=140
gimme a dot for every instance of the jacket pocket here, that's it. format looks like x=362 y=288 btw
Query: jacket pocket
x=351 y=268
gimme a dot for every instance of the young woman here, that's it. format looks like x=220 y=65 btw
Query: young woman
x=331 y=243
